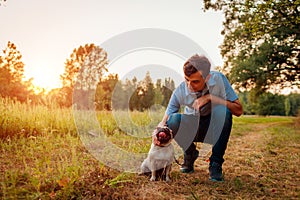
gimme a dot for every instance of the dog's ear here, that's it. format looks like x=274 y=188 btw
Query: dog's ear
x=155 y=131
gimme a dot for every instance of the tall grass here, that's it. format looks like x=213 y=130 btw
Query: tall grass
x=19 y=119
x=43 y=157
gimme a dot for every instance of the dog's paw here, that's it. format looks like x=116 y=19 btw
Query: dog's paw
x=141 y=173
x=153 y=178
x=168 y=179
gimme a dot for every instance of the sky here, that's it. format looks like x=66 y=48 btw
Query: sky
x=46 y=32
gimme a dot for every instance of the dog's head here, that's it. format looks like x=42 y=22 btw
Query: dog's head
x=164 y=135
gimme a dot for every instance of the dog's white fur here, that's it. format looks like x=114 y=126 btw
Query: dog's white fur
x=159 y=157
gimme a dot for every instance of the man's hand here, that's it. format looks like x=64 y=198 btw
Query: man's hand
x=235 y=107
x=201 y=101
x=162 y=124
x=155 y=140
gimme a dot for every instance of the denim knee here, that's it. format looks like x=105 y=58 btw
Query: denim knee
x=222 y=113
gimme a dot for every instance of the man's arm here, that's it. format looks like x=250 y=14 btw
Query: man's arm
x=163 y=121
x=235 y=107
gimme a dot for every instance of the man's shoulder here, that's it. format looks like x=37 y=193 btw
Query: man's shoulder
x=182 y=85
x=181 y=89
x=216 y=77
x=216 y=74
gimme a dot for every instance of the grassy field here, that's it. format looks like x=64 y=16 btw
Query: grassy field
x=42 y=157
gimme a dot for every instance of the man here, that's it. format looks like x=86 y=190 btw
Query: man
x=209 y=102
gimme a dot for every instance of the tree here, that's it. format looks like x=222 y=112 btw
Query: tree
x=294 y=101
x=167 y=91
x=247 y=103
x=147 y=92
x=83 y=70
x=132 y=91
x=158 y=96
x=85 y=66
x=120 y=97
x=261 y=46
x=270 y=104
x=287 y=107
x=104 y=92
x=12 y=74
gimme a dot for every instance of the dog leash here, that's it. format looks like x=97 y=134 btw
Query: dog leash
x=177 y=162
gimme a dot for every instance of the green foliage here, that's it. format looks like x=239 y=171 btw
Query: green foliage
x=146 y=93
x=270 y=104
x=261 y=42
x=287 y=106
x=121 y=178
x=149 y=95
x=113 y=94
x=294 y=101
x=83 y=70
x=12 y=74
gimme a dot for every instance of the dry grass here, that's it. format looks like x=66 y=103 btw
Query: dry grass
x=262 y=162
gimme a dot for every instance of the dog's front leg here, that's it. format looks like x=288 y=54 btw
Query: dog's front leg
x=153 y=171
x=153 y=176
x=168 y=171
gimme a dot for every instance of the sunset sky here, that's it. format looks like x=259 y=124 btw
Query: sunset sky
x=46 y=32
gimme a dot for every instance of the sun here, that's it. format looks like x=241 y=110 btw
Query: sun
x=43 y=78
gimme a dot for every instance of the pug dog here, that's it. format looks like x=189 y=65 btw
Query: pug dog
x=161 y=154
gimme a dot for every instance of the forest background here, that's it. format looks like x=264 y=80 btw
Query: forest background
x=260 y=50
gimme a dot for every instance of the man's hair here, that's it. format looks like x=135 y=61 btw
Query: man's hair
x=197 y=63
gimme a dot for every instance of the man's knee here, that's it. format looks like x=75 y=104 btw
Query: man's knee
x=222 y=113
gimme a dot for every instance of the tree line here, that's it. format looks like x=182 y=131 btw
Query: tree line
x=270 y=104
x=114 y=94
x=261 y=51
x=84 y=72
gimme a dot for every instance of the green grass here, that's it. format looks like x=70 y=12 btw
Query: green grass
x=18 y=119
x=42 y=157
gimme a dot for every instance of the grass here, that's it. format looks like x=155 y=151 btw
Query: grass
x=42 y=157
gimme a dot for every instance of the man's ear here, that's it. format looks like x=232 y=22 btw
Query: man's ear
x=207 y=78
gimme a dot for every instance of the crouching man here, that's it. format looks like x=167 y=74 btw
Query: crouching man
x=209 y=102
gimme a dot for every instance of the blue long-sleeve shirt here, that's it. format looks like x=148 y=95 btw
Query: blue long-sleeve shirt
x=218 y=85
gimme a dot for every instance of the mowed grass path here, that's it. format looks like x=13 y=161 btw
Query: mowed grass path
x=262 y=162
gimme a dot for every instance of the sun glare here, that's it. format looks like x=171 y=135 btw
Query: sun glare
x=43 y=79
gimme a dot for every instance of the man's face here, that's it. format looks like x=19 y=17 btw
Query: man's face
x=195 y=81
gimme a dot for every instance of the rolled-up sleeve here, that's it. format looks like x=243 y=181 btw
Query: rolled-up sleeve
x=230 y=93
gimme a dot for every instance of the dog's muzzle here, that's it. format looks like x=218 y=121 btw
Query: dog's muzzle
x=163 y=134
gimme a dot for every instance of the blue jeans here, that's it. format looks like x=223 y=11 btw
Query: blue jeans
x=214 y=129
